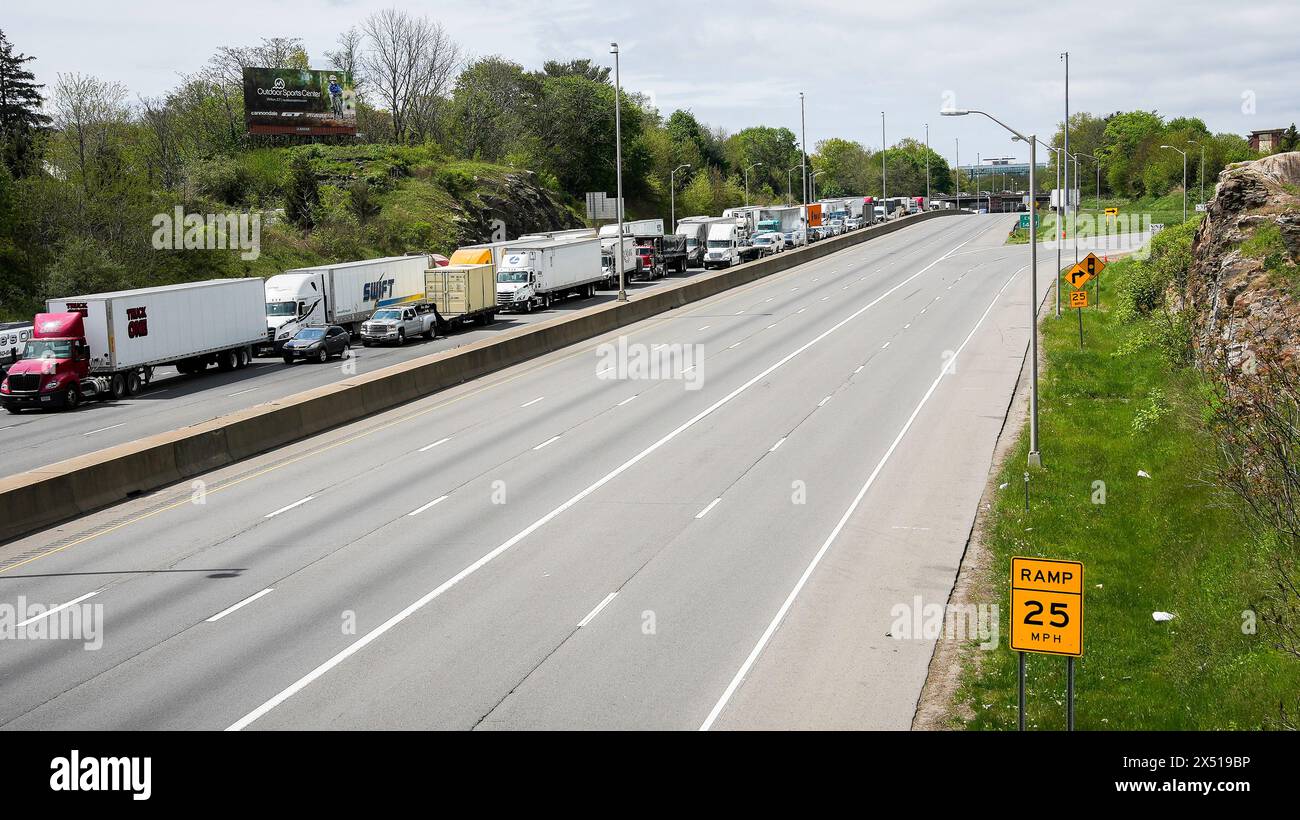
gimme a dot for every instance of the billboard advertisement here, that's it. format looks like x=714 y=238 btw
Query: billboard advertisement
x=299 y=101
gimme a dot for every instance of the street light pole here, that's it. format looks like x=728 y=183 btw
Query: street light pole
x=672 y=195
x=956 y=168
x=803 y=154
x=1184 y=153
x=1200 y=175
x=755 y=165
x=927 y=165
x=1035 y=455
x=1069 y=190
x=618 y=166
x=789 y=185
x=884 y=190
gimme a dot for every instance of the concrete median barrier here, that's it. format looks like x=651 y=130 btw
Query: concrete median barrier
x=42 y=498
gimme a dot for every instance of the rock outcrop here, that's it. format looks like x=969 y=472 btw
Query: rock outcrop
x=1240 y=286
x=517 y=202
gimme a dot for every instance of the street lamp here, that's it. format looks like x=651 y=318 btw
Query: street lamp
x=927 y=165
x=755 y=165
x=803 y=151
x=1033 y=229
x=884 y=193
x=1184 y=153
x=789 y=184
x=1035 y=456
x=813 y=181
x=672 y=195
x=618 y=166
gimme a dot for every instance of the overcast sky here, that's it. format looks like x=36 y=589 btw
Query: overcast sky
x=744 y=63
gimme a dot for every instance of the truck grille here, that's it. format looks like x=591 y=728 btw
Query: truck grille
x=270 y=335
x=24 y=382
x=505 y=298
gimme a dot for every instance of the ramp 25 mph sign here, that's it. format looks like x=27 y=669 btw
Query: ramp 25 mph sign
x=1047 y=606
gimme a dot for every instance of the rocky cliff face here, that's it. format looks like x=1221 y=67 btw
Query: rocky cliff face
x=1244 y=282
x=518 y=203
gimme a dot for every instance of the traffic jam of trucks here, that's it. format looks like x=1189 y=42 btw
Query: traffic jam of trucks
x=108 y=346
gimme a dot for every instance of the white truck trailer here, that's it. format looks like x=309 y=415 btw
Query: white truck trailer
x=344 y=294
x=106 y=345
x=535 y=273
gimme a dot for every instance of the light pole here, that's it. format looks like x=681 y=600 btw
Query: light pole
x=956 y=168
x=1060 y=154
x=803 y=154
x=618 y=166
x=1065 y=128
x=1035 y=455
x=755 y=165
x=789 y=185
x=884 y=191
x=1184 y=153
x=927 y=165
x=813 y=181
x=672 y=195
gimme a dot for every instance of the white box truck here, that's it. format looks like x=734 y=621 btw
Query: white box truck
x=344 y=294
x=106 y=345
x=696 y=231
x=535 y=273
x=722 y=248
x=638 y=227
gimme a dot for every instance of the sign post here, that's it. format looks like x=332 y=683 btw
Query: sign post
x=1047 y=617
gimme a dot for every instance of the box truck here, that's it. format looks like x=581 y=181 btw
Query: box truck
x=722 y=248
x=696 y=231
x=106 y=345
x=638 y=227
x=609 y=262
x=535 y=273
x=344 y=294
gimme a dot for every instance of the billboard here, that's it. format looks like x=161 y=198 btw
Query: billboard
x=299 y=101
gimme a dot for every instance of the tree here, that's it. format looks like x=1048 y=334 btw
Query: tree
x=576 y=137
x=361 y=201
x=585 y=69
x=842 y=166
x=492 y=104
x=21 y=119
x=302 y=198
x=1290 y=140
x=409 y=62
x=347 y=57
x=88 y=114
x=775 y=148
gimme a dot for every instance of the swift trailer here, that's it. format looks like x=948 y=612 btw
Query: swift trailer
x=345 y=294
x=536 y=273
x=106 y=345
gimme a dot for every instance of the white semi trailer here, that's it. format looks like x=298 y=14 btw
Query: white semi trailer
x=535 y=273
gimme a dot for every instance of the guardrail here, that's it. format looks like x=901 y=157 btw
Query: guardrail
x=43 y=497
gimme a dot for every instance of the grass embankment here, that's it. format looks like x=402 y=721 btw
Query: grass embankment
x=1171 y=542
x=1164 y=210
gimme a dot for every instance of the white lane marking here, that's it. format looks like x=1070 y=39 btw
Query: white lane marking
x=770 y=298
x=769 y=327
x=737 y=344
x=801 y=310
x=823 y=401
x=611 y=367
x=826 y=298
x=240 y=392
x=550 y=440
x=423 y=601
x=796 y=287
x=534 y=401
x=47 y=613
x=884 y=346
x=290 y=507
x=429 y=447
x=597 y=610
x=778 y=444
x=419 y=510
x=739 y=312
x=223 y=613
x=628 y=399
x=705 y=511
x=812 y=565
x=906 y=326
x=102 y=429
x=859 y=370
x=656 y=347
x=706 y=327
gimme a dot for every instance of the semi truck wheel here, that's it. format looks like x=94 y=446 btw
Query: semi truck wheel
x=71 y=398
x=132 y=383
x=117 y=386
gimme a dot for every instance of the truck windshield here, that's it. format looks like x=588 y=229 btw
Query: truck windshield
x=719 y=243
x=281 y=308
x=385 y=315
x=692 y=243
x=48 y=349
x=512 y=276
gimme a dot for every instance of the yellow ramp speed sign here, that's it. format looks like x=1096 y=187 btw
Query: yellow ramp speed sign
x=1047 y=606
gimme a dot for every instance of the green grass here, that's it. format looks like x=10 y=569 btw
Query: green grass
x=1164 y=210
x=1171 y=542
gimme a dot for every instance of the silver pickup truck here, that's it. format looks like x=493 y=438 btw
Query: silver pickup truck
x=394 y=325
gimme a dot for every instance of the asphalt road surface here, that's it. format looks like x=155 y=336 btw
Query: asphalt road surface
x=572 y=543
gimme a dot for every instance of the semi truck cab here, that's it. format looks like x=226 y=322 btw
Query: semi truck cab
x=54 y=368
x=517 y=281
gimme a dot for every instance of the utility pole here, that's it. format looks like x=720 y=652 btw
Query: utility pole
x=618 y=165
x=884 y=191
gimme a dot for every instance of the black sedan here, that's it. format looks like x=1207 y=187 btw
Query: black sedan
x=318 y=343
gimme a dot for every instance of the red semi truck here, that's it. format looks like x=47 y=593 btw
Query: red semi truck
x=107 y=345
